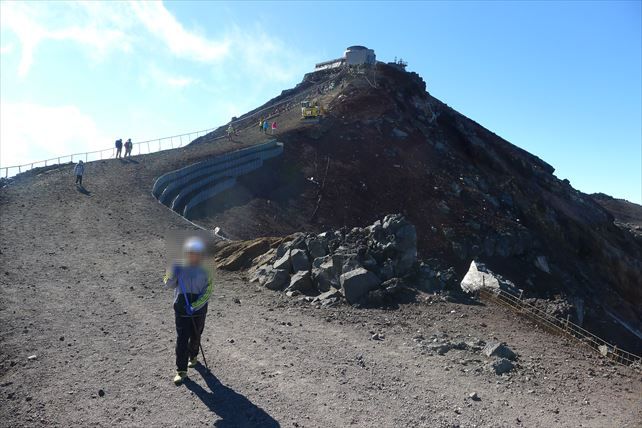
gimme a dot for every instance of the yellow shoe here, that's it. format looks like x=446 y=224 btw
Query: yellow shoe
x=179 y=378
x=192 y=363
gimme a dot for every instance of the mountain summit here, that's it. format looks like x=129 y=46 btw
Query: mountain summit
x=386 y=145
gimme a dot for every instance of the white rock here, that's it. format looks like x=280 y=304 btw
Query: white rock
x=475 y=280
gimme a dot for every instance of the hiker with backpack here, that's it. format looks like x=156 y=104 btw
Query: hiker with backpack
x=79 y=170
x=128 y=147
x=192 y=285
x=273 y=127
x=119 y=148
x=266 y=125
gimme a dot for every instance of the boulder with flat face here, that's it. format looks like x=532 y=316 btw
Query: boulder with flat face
x=302 y=282
x=357 y=283
x=499 y=350
x=274 y=279
x=299 y=260
x=283 y=263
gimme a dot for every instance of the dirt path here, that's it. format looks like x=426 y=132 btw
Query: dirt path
x=80 y=289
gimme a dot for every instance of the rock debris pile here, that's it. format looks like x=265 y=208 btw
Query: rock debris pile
x=363 y=265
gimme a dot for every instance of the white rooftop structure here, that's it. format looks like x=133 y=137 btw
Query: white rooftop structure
x=353 y=55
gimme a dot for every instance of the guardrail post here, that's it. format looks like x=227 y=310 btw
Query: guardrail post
x=171 y=142
x=180 y=141
x=19 y=170
x=159 y=144
x=72 y=159
x=6 y=173
x=568 y=316
x=45 y=162
x=139 y=148
x=85 y=157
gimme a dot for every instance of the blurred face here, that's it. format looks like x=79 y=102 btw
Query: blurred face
x=194 y=259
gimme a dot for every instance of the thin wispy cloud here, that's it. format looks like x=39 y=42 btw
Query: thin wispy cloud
x=152 y=54
x=181 y=42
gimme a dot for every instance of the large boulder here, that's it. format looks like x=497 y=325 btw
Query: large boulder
x=301 y=281
x=324 y=274
x=499 y=350
x=357 y=283
x=476 y=279
x=317 y=247
x=479 y=276
x=283 y=263
x=274 y=279
x=299 y=260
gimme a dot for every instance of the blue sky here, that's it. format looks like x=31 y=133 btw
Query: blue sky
x=562 y=80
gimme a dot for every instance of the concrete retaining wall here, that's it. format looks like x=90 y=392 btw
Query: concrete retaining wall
x=185 y=188
x=181 y=174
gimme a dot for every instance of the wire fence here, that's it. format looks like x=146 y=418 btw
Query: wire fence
x=139 y=148
x=175 y=141
x=557 y=325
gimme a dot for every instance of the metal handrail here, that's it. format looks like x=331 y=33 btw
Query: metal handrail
x=563 y=326
x=248 y=117
x=85 y=155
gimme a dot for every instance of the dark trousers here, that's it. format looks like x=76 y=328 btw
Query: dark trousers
x=187 y=339
x=79 y=179
x=119 y=151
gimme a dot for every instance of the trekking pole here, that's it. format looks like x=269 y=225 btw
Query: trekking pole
x=200 y=345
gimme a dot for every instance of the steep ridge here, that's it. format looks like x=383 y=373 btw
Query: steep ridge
x=472 y=195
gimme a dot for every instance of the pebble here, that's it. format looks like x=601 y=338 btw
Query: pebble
x=32 y=357
x=101 y=393
x=473 y=396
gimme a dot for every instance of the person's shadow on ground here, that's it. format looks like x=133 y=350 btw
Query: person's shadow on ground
x=82 y=190
x=234 y=409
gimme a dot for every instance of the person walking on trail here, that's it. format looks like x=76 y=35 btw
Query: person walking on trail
x=266 y=125
x=273 y=127
x=79 y=170
x=192 y=285
x=261 y=124
x=230 y=132
x=128 y=147
x=119 y=148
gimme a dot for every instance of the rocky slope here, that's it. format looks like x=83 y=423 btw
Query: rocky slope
x=87 y=331
x=390 y=146
x=627 y=215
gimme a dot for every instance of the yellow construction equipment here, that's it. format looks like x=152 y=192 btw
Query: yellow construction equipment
x=311 y=110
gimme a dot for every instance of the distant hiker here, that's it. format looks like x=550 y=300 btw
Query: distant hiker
x=261 y=124
x=128 y=147
x=266 y=125
x=79 y=170
x=273 y=127
x=119 y=148
x=192 y=285
x=230 y=132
